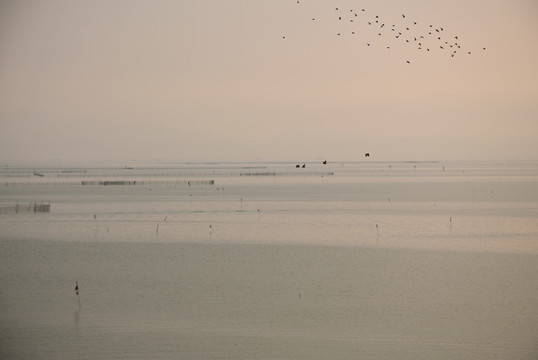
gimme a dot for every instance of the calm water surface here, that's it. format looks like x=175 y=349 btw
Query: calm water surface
x=266 y=261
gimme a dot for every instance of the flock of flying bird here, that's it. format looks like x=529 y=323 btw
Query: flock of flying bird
x=380 y=32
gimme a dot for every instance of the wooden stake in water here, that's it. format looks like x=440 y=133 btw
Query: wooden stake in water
x=77 y=296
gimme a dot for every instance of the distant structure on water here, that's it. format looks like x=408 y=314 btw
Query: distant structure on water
x=32 y=207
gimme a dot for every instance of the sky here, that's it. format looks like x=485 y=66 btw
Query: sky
x=250 y=80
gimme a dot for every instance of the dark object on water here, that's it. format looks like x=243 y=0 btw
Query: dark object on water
x=367 y=155
x=325 y=162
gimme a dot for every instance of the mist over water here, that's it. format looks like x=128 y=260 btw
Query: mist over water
x=456 y=206
x=266 y=260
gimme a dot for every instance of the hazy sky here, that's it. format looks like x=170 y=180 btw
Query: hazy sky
x=211 y=80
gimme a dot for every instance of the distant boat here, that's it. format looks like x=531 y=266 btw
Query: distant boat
x=38 y=174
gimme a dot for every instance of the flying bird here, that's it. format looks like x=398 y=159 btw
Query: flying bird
x=380 y=41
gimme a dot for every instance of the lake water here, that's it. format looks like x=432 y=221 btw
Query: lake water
x=370 y=260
